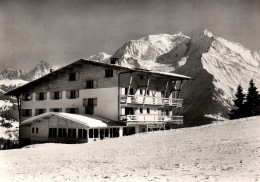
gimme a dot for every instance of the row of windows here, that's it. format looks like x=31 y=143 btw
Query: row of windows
x=35 y=130
x=28 y=112
x=74 y=76
x=67 y=133
x=82 y=133
x=88 y=103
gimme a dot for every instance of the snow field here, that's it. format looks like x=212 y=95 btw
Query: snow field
x=222 y=151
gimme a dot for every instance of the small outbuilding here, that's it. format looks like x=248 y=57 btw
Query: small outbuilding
x=69 y=128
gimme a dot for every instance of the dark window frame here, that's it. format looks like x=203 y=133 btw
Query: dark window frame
x=73 y=76
x=109 y=72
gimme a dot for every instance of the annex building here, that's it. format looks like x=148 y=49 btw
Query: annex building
x=88 y=100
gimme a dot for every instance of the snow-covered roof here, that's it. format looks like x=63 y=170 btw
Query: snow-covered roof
x=88 y=120
x=23 y=88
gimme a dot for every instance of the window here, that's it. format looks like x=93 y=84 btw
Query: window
x=131 y=92
x=141 y=110
x=62 y=132
x=71 y=133
x=37 y=130
x=147 y=92
x=90 y=84
x=148 y=110
x=72 y=110
x=39 y=111
x=90 y=133
x=82 y=133
x=141 y=77
x=52 y=132
x=95 y=133
x=141 y=91
x=72 y=94
x=26 y=112
x=56 y=110
x=56 y=95
x=108 y=73
x=32 y=129
x=73 y=76
x=106 y=132
x=167 y=112
x=41 y=96
x=92 y=102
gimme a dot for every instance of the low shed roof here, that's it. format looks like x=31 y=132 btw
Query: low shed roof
x=88 y=120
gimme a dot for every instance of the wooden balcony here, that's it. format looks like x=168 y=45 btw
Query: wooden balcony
x=150 y=100
x=150 y=119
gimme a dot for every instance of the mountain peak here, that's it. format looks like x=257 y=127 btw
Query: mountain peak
x=208 y=33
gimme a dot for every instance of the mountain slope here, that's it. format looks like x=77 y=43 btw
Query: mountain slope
x=217 y=66
x=223 y=151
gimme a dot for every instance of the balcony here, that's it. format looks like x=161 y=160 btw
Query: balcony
x=150 y=119
x=150 y=100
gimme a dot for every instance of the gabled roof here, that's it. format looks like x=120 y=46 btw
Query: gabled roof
x=87 y=120
x=19 y=90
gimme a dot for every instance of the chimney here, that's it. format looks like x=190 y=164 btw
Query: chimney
x=115 y=61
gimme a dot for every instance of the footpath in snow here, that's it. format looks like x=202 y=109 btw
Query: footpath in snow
x=224 y=151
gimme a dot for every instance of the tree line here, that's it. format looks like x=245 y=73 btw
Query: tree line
x=246 y=105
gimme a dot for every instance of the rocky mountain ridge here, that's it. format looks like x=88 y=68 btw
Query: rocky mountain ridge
x=41 y=69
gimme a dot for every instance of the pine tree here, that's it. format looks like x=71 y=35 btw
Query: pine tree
x=238 y=111
x=252 y=104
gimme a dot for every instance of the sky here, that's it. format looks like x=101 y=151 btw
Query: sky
x=63 y=31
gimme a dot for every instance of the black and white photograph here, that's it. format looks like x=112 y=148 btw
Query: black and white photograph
x=129 y=90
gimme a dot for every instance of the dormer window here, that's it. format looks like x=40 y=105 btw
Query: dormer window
x=108 y=72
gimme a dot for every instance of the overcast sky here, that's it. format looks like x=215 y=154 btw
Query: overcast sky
x=62 y=31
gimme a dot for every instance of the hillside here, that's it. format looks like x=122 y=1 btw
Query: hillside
x=223 y=151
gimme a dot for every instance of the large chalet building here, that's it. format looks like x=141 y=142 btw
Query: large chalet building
x=88 y=100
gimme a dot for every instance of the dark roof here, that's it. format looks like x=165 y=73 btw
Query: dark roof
x=19 y=90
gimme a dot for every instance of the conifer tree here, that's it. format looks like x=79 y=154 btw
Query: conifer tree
x=252 y=104
x=238 y=111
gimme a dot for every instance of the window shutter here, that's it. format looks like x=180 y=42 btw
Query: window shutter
x=30 y=112
x=52 y=95
x=45 y=95
x=60 y=94
x=77 y=110
x=95 y=84
x=77 y=75
x=67 y=110
x=95 y=102
x=37 y=95
x=85 y=102
x=68 y=94
x=77 y=93
x=36 y=112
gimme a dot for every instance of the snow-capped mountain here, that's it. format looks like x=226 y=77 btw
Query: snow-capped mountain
x=42 y=68
x=100 y=57
x=217 y=65
x=142 y=53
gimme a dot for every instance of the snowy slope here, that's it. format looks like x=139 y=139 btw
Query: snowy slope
x=9 y=133
x=225 y=151
x=12 y=83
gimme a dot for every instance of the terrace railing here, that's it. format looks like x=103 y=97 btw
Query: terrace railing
x=149 y=118
x=140 y=99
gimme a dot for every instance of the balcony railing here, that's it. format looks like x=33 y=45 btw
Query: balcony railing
x=149 y=118
x=140 y=99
